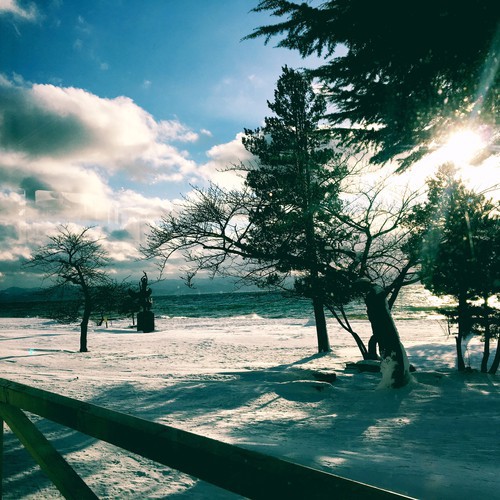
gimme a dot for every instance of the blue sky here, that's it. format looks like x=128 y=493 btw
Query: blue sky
x=109 y=110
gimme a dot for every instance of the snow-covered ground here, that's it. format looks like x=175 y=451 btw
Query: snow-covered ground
x=249 y=381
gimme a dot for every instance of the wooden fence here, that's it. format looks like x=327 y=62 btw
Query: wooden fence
x=244 y=472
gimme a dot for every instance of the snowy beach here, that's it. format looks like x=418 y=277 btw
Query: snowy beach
x=249 y=381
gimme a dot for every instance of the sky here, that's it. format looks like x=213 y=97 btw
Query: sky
x=111 y=110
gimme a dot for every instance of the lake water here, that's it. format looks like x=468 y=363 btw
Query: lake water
x=414 y=303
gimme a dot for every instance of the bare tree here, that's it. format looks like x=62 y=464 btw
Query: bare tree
x=74 y=258
x=211 y=230
x=372 y=264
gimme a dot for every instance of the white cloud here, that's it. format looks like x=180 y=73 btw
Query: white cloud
x=4 y=81
x=77 y=129
x=137 y=207
x=175 y=131
x=125 y=256
x=86 y=44
x=29 y=13
x=78 y=44
x=241 y=97
x=221 y=159
x=83 y=26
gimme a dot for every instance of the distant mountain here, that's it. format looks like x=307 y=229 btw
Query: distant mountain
x=17 y=294
x=167 y=287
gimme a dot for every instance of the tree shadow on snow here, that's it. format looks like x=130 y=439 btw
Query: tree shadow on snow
x=273 y=410
x=194 y=396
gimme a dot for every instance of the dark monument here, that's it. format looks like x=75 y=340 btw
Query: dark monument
x=145 y=318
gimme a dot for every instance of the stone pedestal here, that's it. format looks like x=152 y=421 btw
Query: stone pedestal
x=145 y=321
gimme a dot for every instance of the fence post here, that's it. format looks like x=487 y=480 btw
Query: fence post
x=66 y=480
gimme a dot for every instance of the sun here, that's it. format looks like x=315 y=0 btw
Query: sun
x=471 y=152
x=468 y=148
x=462 y=146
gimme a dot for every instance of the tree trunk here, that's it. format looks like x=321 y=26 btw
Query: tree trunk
x=496 y=360
x=345 y=325
x=317 y=294
x=372 y=348
x=321 y=330
x=460 y=354
x=83 y=334
x=87 y=309
x=360 y=344
x=486 y=355
x=302 y=159
x=487 y=337
x=463 y=330
x=395 y=367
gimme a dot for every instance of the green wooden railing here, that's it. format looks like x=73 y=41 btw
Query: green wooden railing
x=244 y=472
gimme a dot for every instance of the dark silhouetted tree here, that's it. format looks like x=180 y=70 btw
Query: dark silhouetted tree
x=287 y=221
x=459 y=253
x=294 y=179
x=401 y=78
x=74 y=258
x=373 y=265
x=113 y=298
x=276 y=226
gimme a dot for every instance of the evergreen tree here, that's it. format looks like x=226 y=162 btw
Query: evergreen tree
x=460 y=248
x=293 y=179
x=401 y=78
x=275 y=228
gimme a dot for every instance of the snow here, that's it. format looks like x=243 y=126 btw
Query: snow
x=250 y=381
x=389 y=365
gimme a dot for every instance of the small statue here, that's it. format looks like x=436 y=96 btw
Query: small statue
x=145 y=293
x=145 y=318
